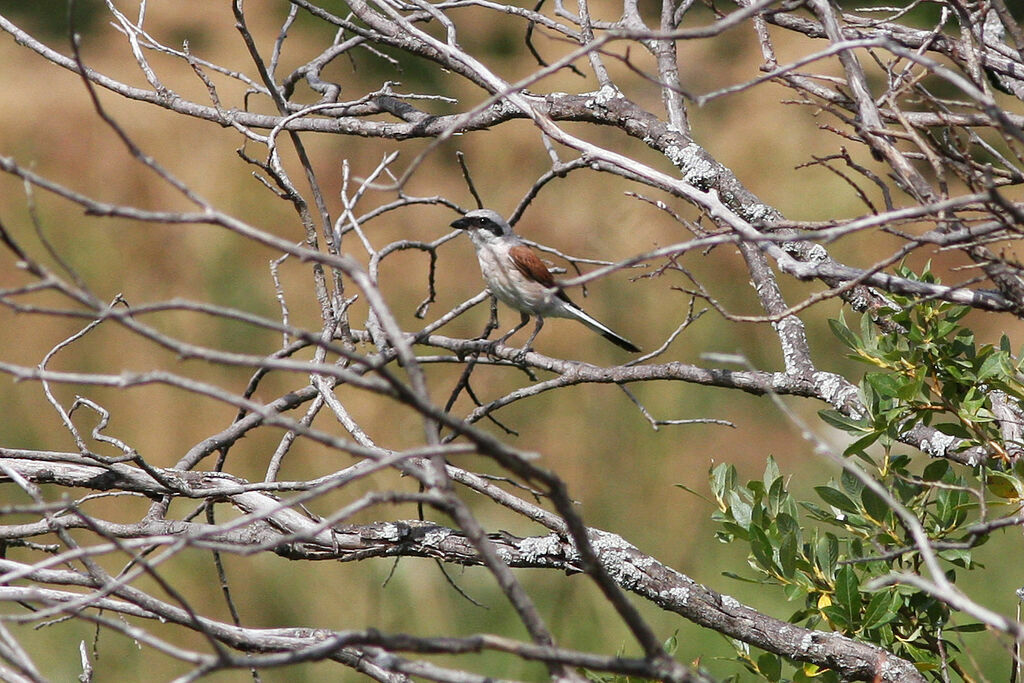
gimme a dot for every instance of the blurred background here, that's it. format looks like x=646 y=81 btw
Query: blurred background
x=622 y=472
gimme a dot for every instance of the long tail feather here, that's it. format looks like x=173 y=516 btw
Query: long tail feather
x=604 y=331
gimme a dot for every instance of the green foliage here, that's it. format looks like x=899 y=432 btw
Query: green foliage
x=857 y=538
x=931 y=372
x=826 y=553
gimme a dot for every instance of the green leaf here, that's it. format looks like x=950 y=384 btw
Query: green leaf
x=834 y=418
x=993 y=365
x=826 y=555
x=936 y=470
x=850 y=483
x=762 y=550
x=951 y=507
x=967 y=628
x=792 y=591
x=957 y=312
x=778 y=497
x=945 y=328
x=836 y=498
x=845 y=335
x=787 y=525
x=734 y=530
x=957 y=556
x=770 y=666
x=771 y=472
x=741 y=509
x=839 y=617
x=874 y=505
x=1004 y=486
x=694 y=492
x=847 y=599
x=953 y=429
x=787 y=555
x=860 y=445
x=880 y=610
x=816 y=510
x=723 y=479
x=885 y=384
x=802 y=581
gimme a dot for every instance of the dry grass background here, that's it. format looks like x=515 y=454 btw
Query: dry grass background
x=618 y=468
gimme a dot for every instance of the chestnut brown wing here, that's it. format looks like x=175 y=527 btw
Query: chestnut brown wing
x=529 y=264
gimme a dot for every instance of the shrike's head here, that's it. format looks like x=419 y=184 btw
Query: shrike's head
x=483 y=226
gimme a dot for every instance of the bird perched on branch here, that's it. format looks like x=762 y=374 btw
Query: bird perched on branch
x=516 y=275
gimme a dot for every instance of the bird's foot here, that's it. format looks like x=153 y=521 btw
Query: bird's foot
x=520 y=357
x=489 y=348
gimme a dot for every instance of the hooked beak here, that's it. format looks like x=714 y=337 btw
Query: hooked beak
x=461 y=223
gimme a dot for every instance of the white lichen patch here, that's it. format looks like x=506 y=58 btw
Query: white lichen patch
x=625 y=573
x=756 y=213
x=838 y=392
x=437 y=537
x=696 y=168
x=938 y=444
x=602 y=541
x=816 y=254
x=679 y=595
x=534 y=549
x=731 y=602
x=618 y=556
x=605 y=95
x=789 y=353
x=860 y=301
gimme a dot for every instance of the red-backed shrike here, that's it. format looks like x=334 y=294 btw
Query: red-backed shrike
x=516 y=276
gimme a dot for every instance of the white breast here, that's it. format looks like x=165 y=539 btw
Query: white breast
x=511 y=287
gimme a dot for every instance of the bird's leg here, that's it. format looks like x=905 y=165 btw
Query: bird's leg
x=533 y=335
x=522 y=323
x=491 y=346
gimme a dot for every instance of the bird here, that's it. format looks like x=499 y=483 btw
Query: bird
x=516 y=276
